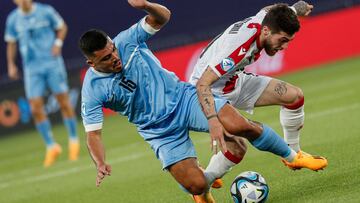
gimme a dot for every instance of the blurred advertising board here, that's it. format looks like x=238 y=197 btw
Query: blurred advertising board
x=322 y=39
x=15 y=112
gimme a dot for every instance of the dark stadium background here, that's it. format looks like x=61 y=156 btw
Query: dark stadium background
x=191 y=21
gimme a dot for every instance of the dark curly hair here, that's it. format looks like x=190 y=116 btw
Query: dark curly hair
x=92 y=40
x=281 y=18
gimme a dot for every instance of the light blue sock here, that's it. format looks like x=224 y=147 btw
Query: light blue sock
x=70 y=124
x=270 y=141
x=44 y=128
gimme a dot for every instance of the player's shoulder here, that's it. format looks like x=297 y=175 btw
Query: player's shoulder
x=41 y=7
x=88 y=86
x=95 y=78
x=13 y=15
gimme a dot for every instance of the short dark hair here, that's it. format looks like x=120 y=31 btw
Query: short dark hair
x=281 y=18
x=92 y=40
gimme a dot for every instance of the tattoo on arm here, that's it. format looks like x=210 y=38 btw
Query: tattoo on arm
x=280 y=88
x=206 y=99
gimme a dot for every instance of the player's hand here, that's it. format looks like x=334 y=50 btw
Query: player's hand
x=56 y=50
x=139 y=4
x=217 y=135
x=102 y=171
x=13 y=72
x=302 y=8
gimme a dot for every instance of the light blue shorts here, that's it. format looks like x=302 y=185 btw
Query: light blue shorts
x=51 y=75
x=172 y=143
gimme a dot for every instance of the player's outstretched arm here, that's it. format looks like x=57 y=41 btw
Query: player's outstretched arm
x=97 y=153
x=11 y=50
x=301 y=8
x=206 y=99
x=158 y=16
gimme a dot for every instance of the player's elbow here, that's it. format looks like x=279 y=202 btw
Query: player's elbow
x=164 y=18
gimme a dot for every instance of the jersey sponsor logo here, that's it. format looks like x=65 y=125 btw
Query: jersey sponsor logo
x=242 y=51
x=227 y=64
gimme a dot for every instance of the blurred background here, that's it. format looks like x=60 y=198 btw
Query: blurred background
x=323 y=59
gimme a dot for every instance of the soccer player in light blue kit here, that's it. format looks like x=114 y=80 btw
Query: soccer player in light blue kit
x=40 y=32
x=126 y=77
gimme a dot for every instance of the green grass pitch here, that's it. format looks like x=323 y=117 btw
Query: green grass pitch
x=331 y=129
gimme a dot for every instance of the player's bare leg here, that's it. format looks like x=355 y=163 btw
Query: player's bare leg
x=190 y=176
x=292 y=114
x=291 y=99
x=43 y=125
x=69 y=118
x=265 y=139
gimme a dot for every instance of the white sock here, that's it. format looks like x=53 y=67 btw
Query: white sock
x=292 y=121
x=291 y=156
x=218 y=166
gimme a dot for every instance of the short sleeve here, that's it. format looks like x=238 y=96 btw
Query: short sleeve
x=10 y=31
x=91 y=112
x=56 y=20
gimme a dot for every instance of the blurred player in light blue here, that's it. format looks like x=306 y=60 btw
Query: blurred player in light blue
x=40 y=32
x=126 y=77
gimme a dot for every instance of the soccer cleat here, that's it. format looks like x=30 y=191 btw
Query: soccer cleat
x=204 y=198
x=218 y=183
x=51 y=155
x=74 y=150
x=305 y=160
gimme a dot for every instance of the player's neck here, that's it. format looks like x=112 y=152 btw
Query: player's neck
x=261 y=41
x=27 y=9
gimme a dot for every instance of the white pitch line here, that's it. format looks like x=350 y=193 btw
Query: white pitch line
x=4 y=185
x=28 y=171
x=68 y=171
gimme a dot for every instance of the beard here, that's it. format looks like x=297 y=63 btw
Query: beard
x=269 y=49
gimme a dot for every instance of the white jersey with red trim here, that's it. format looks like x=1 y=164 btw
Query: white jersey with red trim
x=230 y=52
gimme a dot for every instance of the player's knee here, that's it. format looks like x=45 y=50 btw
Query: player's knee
x=296 y=96
x=196 y=186
x=37 y=110
x=64 y=104
x=237 y=147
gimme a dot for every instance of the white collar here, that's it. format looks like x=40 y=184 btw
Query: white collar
x=100 y=73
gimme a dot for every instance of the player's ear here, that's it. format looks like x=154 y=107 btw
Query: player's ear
x=266 y=30
x=90 y=63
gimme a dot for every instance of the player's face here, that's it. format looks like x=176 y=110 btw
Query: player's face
x=277 y=42
x=106 y=60
x=23 y=4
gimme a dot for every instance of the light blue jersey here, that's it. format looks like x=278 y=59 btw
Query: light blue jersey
x=143 y=91
x=35 y=34
x=163 y=108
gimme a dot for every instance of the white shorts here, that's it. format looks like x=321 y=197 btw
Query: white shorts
x=248 y=88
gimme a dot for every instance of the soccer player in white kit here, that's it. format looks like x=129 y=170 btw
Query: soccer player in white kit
x=220 y=70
